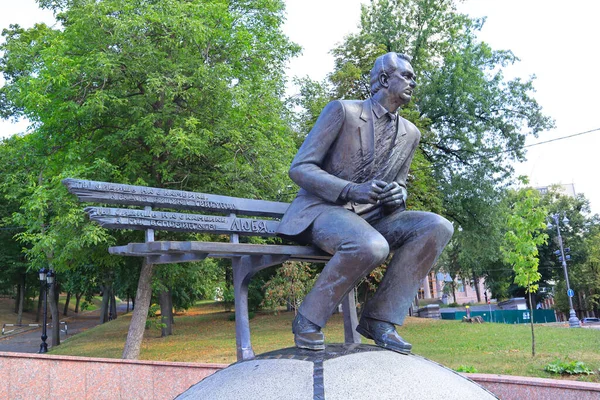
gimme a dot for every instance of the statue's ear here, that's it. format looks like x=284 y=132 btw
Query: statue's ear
x=383 y=80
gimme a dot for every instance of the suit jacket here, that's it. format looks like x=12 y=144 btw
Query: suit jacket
x=339 y=147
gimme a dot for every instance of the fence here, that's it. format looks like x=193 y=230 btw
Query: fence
x=65 y=329
x=505 y=316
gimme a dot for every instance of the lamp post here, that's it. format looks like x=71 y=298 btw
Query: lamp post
x=46 y=279
x=573 y=320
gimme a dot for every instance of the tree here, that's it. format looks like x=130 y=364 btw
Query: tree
x=176 y=94
x=289 y=286
x=587 y=278
x=180 y=286
x=526 y=225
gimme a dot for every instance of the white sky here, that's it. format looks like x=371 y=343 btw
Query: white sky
x=556 y=41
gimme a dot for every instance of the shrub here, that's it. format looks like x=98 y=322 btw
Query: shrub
x=565 y=367
x=466 y=368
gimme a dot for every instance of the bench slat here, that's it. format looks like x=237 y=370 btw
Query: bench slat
x=217 y=249
x=127 y=218
x=116 y=193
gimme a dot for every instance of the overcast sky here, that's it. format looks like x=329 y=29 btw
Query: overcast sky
x=555 y=40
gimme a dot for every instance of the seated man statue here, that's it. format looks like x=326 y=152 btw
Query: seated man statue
x=352 y=170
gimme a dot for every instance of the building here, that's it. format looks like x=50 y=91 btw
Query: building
x=433 y=288
x=567 y=189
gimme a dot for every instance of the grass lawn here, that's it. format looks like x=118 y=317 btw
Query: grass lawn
x=205 y=334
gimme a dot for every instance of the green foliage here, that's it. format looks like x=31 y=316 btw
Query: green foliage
x=568 y=367
x=588 y=275
x=469 y=369
x=526 y=226
x=154 y=320
x=289 y=286
x=228 y=298
x=256 y=294
x=176 y=94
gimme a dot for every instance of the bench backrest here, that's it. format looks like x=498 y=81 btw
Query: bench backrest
x=150 y=198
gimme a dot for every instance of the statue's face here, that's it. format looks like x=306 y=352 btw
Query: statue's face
x=402 y=82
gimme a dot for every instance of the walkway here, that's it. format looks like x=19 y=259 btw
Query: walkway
x=29 y=340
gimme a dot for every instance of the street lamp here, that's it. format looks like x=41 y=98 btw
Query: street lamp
x=46 y=279
x=573 y=320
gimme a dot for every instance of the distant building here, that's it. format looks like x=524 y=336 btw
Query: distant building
x=568 y=189
x=433 y=288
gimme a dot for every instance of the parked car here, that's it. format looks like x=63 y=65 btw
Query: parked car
x=590 y=321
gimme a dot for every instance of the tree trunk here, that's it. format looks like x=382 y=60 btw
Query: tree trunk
x=17 y=297
x=166 y=314
x=172 y=310
x=77 y=300
x=140 y=313
x=39 y=307
x=453 y=285
x=105 y=306
x=53 y=300
x=228 y=275
x=132 y=303
x=21 y=299
x=532 y=331
x=113 y=304
x=67 y=301
x=477 y=291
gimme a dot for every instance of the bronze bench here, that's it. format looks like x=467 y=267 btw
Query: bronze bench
x=247 y=259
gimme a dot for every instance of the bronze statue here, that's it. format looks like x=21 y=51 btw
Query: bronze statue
x=352 y=170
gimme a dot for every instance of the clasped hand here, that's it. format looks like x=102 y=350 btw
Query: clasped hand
x=391 y=194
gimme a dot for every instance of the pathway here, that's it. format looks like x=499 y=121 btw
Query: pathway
x=29 y=340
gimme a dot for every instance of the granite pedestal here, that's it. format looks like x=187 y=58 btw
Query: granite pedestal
x=339 y=372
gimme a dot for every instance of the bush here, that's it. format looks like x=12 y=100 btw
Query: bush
x=469 y=369
x=228 y=298
x=255 y=296
x=571 y=368
x=290 y=284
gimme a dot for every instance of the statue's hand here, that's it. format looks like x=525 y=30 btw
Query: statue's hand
x=366 y=193
x=393 y=196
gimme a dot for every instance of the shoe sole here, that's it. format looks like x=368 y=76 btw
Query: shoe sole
x=308 y=346
x=366 y=334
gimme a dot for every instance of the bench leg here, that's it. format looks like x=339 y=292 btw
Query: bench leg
x=350 y=319
x=244 y=268
x=242 y=272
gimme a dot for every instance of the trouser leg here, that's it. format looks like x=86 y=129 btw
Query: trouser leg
x=357 y=249
x=417 y=239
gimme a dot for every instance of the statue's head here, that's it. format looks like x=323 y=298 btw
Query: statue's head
x=393 y=71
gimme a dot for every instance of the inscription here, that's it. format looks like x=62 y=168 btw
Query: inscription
x=118 y=193
x=250 y=225
x=181 y=201
x=121 y=218
x=143 y=194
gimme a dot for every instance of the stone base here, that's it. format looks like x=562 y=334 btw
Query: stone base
x=339 y=372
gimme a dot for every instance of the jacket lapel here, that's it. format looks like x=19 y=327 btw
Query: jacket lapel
x=367 y=133
x=401 y=129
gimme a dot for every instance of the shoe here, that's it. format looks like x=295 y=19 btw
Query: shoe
x=384 y=334
x=307 y=335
